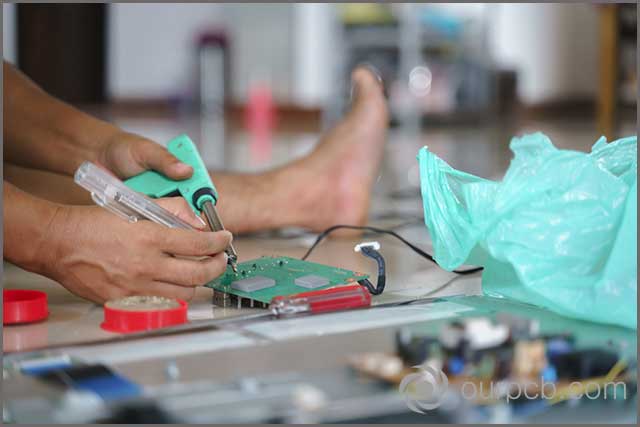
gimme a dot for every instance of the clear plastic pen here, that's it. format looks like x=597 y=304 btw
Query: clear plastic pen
x=110 y=193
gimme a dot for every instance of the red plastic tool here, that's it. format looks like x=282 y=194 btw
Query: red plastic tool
x=23 y=306
x=127 y=321
x=325 y=300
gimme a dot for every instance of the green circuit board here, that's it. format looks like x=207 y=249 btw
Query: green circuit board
x=284 y=271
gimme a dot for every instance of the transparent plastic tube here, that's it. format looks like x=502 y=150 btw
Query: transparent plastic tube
x=110 y=193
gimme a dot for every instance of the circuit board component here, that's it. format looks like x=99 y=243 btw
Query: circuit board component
x=259 y=280
x=252 y=284
x=311 y=281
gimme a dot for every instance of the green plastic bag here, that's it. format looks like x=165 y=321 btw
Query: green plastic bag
x=559 y=231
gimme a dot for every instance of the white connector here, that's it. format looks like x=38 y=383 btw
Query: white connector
x=374 y=245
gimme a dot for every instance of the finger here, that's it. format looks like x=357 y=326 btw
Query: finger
x=180 y=208
x=154 y=156
x=191 y=273
x=190 y=243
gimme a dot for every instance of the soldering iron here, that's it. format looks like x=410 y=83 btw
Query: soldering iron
x=198 y=190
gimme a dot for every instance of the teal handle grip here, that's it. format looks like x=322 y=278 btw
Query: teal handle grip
x=196 y=190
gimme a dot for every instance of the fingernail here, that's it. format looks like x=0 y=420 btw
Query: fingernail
x=182 y=168
x=373 y=69
x=353 y=92
x=201 y=223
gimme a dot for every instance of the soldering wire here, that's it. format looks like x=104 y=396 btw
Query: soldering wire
x=392 y=233
x=579 y=388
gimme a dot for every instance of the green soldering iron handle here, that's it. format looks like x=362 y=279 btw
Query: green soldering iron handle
x=196 y=190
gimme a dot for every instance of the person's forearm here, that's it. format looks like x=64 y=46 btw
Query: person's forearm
x=27 y=227
x=42 y=132
x=47 y=185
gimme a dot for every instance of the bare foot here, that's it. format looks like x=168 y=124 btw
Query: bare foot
x=331 y=185
x=335 y=180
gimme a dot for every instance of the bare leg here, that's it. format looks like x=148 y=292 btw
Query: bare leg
x=329 y=186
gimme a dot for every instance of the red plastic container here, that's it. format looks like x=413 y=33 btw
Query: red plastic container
x=128 y=321
x=23 y=306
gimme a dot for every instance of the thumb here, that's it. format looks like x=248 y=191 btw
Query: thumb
x=365 y=78
x=150 y=155
x=180 y=208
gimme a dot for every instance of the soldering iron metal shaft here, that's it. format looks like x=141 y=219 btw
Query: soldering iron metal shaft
x=215 y=223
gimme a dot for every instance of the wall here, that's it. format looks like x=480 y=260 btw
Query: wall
x=553 y=46
x=152 y=46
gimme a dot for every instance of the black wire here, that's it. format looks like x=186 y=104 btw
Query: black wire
x=382 y=275
x=373 y=290
x=416 y=249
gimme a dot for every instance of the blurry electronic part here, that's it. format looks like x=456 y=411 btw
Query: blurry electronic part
x=452 y=336
x=559 y=345
x=311 y=281
x=40 y=365
x=520 y=327
x=98 y=379
x=529 y=358
x=526 y=365
x=476 y=333
x=284 y=272
x=388 y=367
x=585 y=363
x=414 y=350
x=503 y=357
x=482 y=333
x=138 y=412
x=252 y=284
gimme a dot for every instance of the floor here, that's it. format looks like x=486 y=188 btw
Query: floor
x=479 y=150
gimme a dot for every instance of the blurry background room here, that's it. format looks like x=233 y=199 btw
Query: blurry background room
x=254 y=84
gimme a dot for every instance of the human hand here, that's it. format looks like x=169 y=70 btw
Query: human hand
x=126 y=154
x=100 y=257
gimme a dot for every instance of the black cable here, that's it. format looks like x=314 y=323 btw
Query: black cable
x=288 y=234
x=370 y=252
x=416 y=249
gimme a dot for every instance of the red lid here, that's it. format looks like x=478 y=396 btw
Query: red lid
x=23 y=306
x=127 y=321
